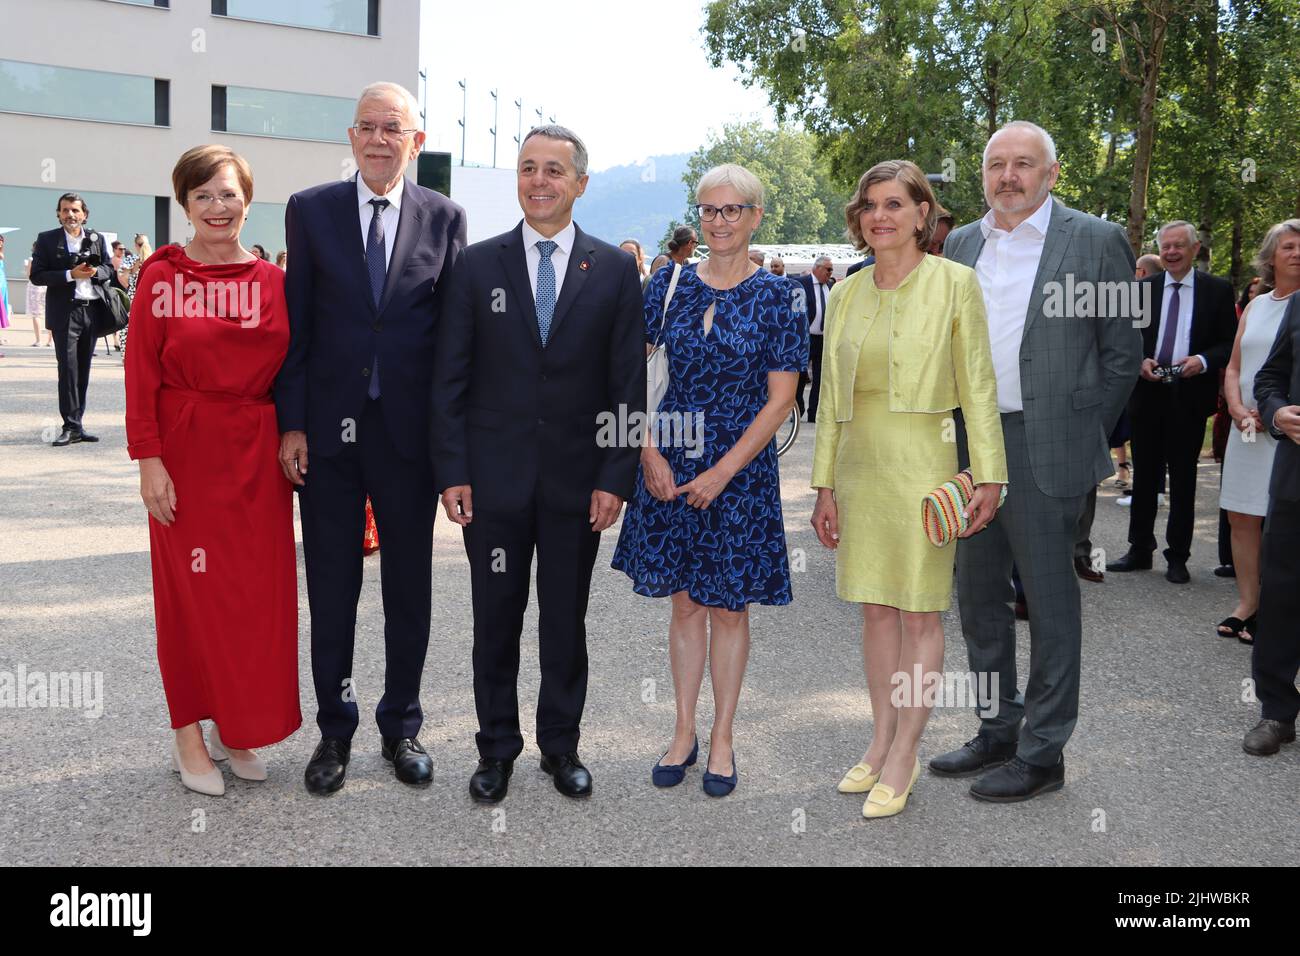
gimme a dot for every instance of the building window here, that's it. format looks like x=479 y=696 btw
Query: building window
x=340 y=16
x=148 y=3
x=239 y=109
x=32 y=210
x=82 y=94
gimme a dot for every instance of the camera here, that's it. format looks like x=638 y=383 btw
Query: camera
x=92 y=259
x=1168 y=374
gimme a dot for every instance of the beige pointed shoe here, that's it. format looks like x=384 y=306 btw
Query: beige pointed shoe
x=243 y=768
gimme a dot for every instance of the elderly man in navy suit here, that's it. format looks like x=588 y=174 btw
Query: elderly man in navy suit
x=541 y=340
x=368 y=259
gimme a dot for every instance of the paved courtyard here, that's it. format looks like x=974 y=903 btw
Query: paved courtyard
x=1155 y=774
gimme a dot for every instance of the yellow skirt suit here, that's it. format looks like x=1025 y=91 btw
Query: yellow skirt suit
x=897 y=362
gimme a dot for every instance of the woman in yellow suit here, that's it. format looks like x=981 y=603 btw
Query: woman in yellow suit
x=906 y=343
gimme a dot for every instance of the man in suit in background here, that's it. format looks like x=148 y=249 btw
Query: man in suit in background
x=1275 y=658
x=1190 y=326
x=542 y=335
x=816 y=290
x=75 y=304
x=1062 y=382
x=369 y=260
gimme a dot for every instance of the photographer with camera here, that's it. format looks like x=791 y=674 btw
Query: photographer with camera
x=1189 y=330
x=73 y=263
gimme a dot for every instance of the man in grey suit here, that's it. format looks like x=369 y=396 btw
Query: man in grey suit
x=1066 y=361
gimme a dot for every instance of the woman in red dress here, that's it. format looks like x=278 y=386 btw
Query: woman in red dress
x=209 y=332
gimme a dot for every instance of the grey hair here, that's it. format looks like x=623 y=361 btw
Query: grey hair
x=1192 y=234
x=1049 y=145
x=822 y=258
x=1268 y=249
x=739 y=178
x=410 y=104
x=563 y=134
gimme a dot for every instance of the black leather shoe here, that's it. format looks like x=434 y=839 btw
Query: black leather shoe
x=328 y=765
x=491 y=780
x=1016 y=780
x=1132 y=561
x=1083 y=568
x=1225 y=571
x=1267 y=737
x=974 y=756
x=410 y=761
x=66 y=437
x=87 y=436
x=571 y=778
x=1177 y=573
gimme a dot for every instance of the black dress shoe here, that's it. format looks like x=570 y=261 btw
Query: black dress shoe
x=571 y=778
x=87 y=436
x=328 y=765
x=1176 y=573
x=1267 y=737
x=411 y=763
x=66 y=437
x=491 y=780
x=1016 y=780
x=1225 y=571
x=1132 y=561
x=974 y=756
x=1083 y=568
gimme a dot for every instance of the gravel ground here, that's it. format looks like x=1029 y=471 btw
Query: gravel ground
x=1155 y=771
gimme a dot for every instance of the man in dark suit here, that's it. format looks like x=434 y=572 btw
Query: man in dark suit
x=1189 y=325
x=368 y=260
x=816 y=287
x=1275 y=658
x=75 y=304
x=542 y=339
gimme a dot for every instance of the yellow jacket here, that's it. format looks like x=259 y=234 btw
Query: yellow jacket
x=939 y=359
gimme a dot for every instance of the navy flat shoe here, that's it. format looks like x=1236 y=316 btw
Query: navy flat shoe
x=670 y=775
x=716 y=785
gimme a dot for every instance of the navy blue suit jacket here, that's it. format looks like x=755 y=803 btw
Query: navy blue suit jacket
x=335 y=328
x=517 y=421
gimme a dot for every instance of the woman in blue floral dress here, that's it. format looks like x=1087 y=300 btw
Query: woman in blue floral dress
x=704 y=526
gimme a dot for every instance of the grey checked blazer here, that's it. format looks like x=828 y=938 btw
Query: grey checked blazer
x=1076 y=373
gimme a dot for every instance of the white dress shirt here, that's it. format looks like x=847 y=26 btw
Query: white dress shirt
x=821 y=292
x=84 y=291
x=1006 y=269
x=563 y=240
x=390 y=217
x=1183 y=337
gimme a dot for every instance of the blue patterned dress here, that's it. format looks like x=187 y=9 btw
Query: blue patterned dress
x=732 y=553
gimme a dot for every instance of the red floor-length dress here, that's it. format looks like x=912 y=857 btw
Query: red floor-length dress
x=203 y=357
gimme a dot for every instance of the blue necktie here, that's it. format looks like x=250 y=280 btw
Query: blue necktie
x=1166 y=356
x=545 y=288
x=378 y=268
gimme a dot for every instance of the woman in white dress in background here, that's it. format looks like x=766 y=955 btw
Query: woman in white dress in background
x=1249 y=459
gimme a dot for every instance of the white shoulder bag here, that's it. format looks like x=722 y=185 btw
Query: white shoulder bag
x=656 y=363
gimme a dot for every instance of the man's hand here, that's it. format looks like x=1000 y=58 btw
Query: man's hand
x=1149 y=370
x=1287 y=420
x=1192 y=365
x=157 y=490
x=83 y=271
x=293 y=456
x=458 y=502
x=604 y=509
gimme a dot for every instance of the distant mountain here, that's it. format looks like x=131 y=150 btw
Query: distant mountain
x=635 y=201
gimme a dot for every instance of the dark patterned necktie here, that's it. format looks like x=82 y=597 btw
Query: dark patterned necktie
x=1166 y=356
x=377 y=267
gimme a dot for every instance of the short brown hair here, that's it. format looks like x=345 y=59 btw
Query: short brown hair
x=196 y=166
x=918 y=187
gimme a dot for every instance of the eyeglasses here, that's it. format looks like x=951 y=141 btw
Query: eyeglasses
x=389 y=130
x=226 y=199
x=730 y=212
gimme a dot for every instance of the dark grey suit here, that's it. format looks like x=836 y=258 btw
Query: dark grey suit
x=1076 y=374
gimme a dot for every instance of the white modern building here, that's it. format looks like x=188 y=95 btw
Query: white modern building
x=100 y=97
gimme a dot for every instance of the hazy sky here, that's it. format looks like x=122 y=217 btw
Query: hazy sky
x=632 y=79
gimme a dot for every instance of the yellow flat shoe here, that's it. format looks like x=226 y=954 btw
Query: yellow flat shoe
x=882 y=802
x=859 y=779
